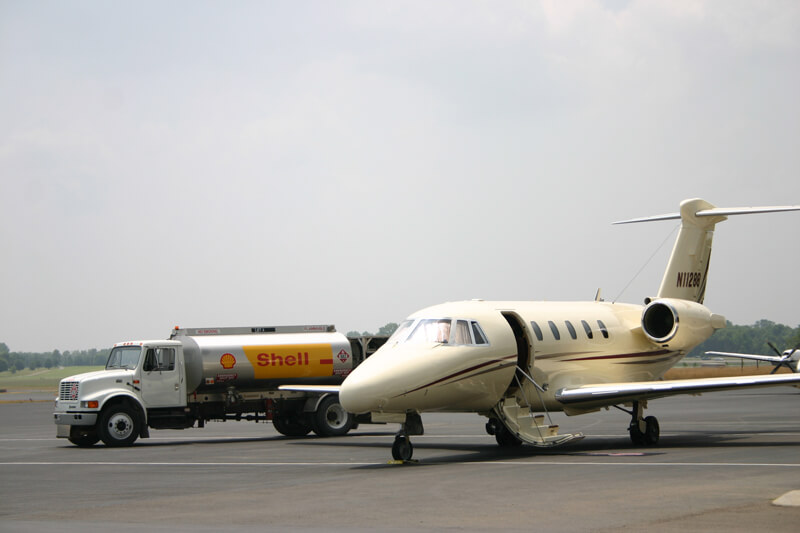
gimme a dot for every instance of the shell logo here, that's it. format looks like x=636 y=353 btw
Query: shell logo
x=227 y=361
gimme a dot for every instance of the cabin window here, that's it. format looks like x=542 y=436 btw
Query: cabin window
x=603 y=328
x=587 y=329
x=477 y=332
x=571 y=329
x=554 y=329
x=537 y=330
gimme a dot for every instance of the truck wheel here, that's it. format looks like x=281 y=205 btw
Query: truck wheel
x=82 y=436
x=119 y=425
x=291 y=424
x=331 y=419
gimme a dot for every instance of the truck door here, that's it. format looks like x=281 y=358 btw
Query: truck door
x=163 y=384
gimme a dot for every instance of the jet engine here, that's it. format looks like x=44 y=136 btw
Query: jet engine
x=679 y=324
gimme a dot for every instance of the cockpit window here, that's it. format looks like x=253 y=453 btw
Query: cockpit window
x=401 y=332
x=431 y=330
x=480 y=338
x=461 y=334
x=440 y=330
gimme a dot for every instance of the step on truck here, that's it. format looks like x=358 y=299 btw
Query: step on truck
x=213 y=374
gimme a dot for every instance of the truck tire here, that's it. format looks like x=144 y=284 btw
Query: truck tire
x=291 y=424
x=119 y=425
x=82 y=436
x=330 y=419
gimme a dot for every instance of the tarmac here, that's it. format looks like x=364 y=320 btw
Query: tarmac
x=727 y=461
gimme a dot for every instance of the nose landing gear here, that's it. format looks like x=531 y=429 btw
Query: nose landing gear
x=402 y=449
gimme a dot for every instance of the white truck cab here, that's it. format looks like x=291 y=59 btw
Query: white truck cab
x=138 y=377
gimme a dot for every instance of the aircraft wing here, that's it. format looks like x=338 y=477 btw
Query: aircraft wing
x=601 y=395
x=770 y=358
x=311 y=388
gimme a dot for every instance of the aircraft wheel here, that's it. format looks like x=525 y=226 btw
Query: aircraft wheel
x=331 y=419
x=402 y=450
x=119 y=425
x=637 y=437
x=505 y=438
x=652 y=432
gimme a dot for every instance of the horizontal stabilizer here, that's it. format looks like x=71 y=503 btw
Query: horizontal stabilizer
x=716 y=212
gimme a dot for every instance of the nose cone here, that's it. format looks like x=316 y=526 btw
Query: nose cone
x=379 y=383
x=361 y=390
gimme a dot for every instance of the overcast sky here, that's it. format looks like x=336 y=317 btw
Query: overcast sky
x=267 y=163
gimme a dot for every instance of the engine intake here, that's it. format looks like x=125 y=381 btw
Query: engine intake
x=679 y=324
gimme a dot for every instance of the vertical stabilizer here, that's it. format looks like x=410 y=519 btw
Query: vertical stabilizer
x=687 y=270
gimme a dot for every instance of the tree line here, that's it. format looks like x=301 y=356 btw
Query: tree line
x=750 y=339
x=15 y=361
x=733 y=338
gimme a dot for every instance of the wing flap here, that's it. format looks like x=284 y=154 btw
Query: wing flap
x=614 y=393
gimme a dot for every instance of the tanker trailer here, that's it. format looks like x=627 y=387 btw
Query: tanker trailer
x=209 y=374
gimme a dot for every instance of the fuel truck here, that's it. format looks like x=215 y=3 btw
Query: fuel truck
x=213 y=374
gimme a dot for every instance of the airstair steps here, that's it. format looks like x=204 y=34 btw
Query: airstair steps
x=530 y=427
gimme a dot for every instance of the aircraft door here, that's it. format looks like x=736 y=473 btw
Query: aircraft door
x=524 y=346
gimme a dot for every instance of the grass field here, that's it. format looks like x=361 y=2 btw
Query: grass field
x=40 y=379
x=47 y=380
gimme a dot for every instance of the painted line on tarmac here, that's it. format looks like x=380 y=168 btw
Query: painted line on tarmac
x=357 y=463
x=200 y=438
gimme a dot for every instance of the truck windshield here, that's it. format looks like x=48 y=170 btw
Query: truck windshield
x=124 y=357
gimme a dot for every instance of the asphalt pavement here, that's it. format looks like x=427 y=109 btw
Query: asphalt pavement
x=722 y=460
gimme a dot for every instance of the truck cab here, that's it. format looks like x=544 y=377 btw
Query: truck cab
x=112 y=405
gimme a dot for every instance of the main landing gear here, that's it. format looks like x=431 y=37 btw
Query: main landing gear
x=643 y=431
x=402 y=449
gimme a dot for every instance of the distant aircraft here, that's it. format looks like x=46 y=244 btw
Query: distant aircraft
x=789 y=358
x=515 y=362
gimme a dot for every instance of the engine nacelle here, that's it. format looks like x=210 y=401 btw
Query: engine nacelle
x=679 y=324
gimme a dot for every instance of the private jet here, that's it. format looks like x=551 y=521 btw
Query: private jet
x=515 y=362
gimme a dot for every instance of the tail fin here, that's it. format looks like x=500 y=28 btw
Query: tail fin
x=687 y=270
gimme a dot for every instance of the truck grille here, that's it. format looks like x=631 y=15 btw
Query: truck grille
x=68 y=390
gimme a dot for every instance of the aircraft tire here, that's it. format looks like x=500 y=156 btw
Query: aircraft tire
x=402 y=449
x=652 y=431
x=637 y=437
x=330 y=419
x=503 y=436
